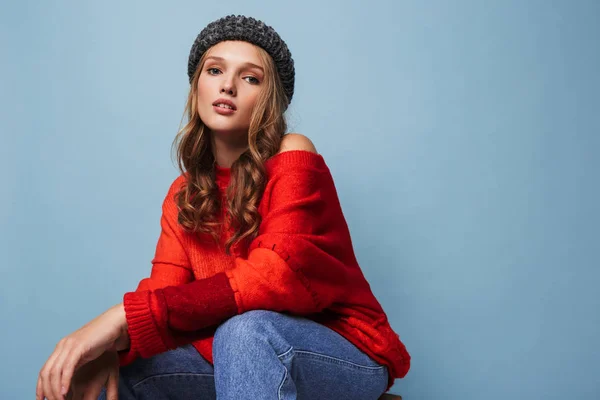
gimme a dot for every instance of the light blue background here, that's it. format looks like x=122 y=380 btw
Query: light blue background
x=463 y=138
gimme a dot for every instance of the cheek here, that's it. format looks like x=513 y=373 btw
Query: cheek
x=203 y=96
x=200 y=90
x=251 y=101
x=205 y=86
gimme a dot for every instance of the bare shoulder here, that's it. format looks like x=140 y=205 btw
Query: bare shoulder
x=296 y=141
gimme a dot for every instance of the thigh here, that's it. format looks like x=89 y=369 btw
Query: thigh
x=325 y=365
x=319 y=362
x=181 y=373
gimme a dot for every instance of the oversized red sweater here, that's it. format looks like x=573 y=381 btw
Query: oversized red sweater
x=302 y=262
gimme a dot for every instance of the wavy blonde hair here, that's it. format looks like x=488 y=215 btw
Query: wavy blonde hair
x=198 y=202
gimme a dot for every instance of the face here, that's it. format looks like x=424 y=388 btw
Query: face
x=233 y=71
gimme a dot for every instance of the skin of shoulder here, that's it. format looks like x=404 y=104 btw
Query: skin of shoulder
x=296 y=141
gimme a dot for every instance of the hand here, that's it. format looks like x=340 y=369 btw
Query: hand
x=80 y=347
x=90 y=378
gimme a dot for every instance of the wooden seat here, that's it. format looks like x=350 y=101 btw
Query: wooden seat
x=389 y=396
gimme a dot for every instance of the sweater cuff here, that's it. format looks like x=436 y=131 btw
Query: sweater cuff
x=199 y=304
x=143 y=332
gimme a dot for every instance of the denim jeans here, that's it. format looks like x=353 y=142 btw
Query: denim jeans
x=260 y=354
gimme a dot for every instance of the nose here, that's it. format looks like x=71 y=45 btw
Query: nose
x=227 y=87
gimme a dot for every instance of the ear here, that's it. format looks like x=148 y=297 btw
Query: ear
x=296 y=141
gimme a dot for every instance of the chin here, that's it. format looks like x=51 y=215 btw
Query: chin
x=221 y=127
x=227 y=129
x=222 y=124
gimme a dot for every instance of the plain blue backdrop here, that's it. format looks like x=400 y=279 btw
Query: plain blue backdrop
x=463 y=138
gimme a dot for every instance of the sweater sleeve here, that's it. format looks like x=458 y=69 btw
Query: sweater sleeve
x=170 y=265
x=301 y=262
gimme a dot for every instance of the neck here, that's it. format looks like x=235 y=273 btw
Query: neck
x=227 y=151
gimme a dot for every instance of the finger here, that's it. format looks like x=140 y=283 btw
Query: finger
x=92 y=391
x=69 y=395
x=48 y=371
x=71 y=361
x=47 y=391
x=59 y=366
x=41 y=389
x=47 y=377
x=55 y=377
x=112 y=388
x=77 y=393
x=39 y=392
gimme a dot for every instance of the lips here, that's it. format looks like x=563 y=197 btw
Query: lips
x=225 y=101
x=223 y=110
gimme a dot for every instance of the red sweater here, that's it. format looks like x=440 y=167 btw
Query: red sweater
x=302 y=262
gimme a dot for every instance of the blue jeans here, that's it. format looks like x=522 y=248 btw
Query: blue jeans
x=260 y=354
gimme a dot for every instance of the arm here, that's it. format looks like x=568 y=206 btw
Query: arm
x=301 y=262
x=170 y=265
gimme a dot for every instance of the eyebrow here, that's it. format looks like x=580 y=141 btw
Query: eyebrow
x=244 y=64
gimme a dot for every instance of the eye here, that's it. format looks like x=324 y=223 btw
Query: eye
x=256 y=80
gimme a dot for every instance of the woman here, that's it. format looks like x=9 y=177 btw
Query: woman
x=255 y=291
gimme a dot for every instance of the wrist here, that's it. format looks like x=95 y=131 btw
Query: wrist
x=122 y=343
x=122 y=317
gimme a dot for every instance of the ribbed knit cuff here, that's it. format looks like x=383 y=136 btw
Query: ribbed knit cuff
x=199 y=304
x=143 y=331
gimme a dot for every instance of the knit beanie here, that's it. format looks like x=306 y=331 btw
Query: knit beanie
x=239 y=27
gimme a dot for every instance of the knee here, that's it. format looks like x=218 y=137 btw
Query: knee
x=247 y=326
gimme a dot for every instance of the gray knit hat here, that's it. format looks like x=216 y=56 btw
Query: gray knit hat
x=248 y=29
